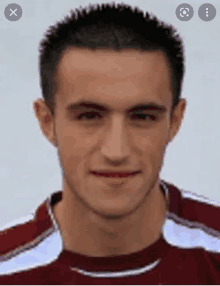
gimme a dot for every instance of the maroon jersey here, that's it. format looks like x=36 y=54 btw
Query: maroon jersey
x=188 y=252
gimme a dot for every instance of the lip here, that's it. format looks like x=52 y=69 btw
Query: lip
x=115 y=175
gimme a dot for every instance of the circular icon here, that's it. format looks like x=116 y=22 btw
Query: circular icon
x=184 y=12
x=13 y=12
x=207 y=12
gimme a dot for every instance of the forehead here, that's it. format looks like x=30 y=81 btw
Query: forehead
x=112 y=75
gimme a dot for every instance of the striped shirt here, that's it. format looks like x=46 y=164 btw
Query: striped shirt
x=188 y=251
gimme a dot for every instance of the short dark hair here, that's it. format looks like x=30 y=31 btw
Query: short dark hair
x=113 y=27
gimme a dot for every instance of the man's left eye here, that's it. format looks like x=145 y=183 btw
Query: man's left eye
x=145 y=116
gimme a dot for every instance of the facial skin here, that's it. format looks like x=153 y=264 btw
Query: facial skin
x=97 y=218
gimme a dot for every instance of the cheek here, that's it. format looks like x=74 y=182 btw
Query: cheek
x=153 y=158
x=154 y=149
x=153 y=140
x=75 y=140
x=76 y=148
x=153 y=145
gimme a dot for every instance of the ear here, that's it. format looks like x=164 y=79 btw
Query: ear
x=45 y=119
x=177 y=118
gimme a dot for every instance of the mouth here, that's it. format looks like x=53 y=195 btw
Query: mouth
x=115 y=175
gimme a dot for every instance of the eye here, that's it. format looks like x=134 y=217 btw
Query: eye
x=89 y=115
x=145 y=117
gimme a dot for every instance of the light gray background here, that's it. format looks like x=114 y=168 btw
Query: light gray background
x=29 y=168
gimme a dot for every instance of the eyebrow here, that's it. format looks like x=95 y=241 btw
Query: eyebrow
x=94 y=105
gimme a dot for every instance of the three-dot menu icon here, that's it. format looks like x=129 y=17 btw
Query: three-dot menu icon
x=207 y=12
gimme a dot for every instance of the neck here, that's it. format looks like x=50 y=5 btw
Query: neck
x=87 y=233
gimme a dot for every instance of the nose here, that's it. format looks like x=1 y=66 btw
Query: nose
x=116 y=147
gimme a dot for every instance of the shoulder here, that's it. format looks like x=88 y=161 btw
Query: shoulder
x=22 y=232
x=29 y=242
x=192 y=221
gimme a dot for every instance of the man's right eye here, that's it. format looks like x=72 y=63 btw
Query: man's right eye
x=88 y=115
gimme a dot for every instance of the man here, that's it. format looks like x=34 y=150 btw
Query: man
x=111 y=112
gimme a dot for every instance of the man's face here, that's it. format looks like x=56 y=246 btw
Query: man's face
x=115 y=138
